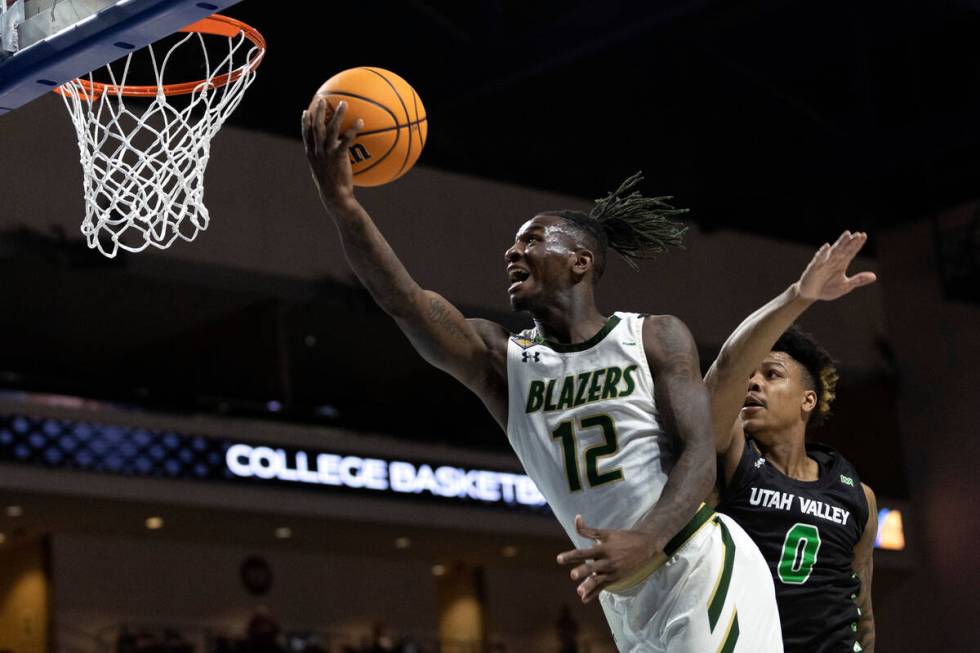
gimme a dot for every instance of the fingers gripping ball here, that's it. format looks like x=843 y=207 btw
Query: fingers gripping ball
x=395 y=126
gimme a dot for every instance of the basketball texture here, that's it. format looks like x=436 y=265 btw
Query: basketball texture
x=395 y=125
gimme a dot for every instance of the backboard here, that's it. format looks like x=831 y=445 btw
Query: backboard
x=45 y=43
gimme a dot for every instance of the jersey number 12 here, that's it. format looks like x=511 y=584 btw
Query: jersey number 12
x=565 y=434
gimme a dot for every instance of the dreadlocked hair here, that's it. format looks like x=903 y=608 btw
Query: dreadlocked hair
x=821 y=374
x=637 y=227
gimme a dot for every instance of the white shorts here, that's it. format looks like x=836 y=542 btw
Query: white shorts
x=714 y=595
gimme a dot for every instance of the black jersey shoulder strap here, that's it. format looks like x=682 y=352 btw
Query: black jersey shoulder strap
x=746 y=470
x=845 y=476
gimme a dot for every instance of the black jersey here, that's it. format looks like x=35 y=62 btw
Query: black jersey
x=806 y=531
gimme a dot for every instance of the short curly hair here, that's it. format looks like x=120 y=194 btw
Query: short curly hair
x=820 y=371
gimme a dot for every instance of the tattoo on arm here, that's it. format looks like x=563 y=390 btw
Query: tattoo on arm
x=440 y=315
x=683 y=401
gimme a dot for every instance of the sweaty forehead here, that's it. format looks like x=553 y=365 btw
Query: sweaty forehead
x=546 y=224
x=540 y=221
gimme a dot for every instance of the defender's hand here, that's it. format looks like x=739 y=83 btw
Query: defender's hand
x=616 y=555
x=825 y=278
x=327 y=150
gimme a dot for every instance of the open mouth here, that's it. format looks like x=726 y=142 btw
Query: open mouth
x=753 y=402
x=517 y=276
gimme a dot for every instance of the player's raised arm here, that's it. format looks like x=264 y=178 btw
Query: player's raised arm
x=825 y=278
x=435 y=327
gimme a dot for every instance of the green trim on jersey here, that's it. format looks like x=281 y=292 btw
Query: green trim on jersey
x=717 y=600
x=699 y=519
x=566 y=348
x=731 y=637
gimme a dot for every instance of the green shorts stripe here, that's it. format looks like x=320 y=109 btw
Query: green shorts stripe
x=731 y=637
x=720 y=593
x=699 y=519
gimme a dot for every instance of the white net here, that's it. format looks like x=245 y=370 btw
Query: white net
x=143 y=165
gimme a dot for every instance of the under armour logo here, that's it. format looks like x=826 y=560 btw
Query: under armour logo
x=527 y=356
x=760 y=462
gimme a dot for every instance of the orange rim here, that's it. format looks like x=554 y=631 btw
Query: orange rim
x=216 y=25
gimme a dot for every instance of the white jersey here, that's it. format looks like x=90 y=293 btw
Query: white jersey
x=583 y=421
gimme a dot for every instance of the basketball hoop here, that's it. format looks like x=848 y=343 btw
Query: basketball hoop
x=143 y=171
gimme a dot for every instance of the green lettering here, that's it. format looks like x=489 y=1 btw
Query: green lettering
x=609 y=448
x=566 y=435
x=596 y=386
x=567 y=393
x=583 y=384
x=535 y=396
x=630 y=383
x=548 y=403
x=613 y=375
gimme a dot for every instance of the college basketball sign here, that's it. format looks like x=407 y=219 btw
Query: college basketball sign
x=248 y=461
x=137 y=452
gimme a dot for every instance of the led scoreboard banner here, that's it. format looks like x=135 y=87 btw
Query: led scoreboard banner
x=247 y=461
x=136 y=452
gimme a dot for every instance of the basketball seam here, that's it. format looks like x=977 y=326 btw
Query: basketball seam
x=390 y=113
x=415 y=102
x=408 y=151
x=388 y=129
x=415 y=105
x=366 y=99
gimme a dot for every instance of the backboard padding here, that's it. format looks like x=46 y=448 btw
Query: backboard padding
x=97 y=39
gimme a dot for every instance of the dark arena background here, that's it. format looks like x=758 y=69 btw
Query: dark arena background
x=227 y=436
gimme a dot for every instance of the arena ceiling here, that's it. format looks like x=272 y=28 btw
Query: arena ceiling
x=789 y=119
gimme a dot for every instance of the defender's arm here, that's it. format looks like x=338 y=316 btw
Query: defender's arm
x=825 y=278
x=726 y=380
x=435 y=327
x=864 y=568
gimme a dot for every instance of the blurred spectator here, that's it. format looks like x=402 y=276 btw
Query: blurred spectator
x=174 y=642
x=381 y=641
x=263 y=633
x=567 y=631
x=125 y=643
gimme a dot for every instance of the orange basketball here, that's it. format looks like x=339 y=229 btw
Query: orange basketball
x=395 y=126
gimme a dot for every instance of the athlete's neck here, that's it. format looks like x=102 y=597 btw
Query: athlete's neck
x=570 y=323
x=787 y=453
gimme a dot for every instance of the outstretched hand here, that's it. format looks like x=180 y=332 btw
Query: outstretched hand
x=616 y=555
x=327 y=150
x=825 y=278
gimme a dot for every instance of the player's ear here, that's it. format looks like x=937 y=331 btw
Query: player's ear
x=584 y=261
x=809 y=402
